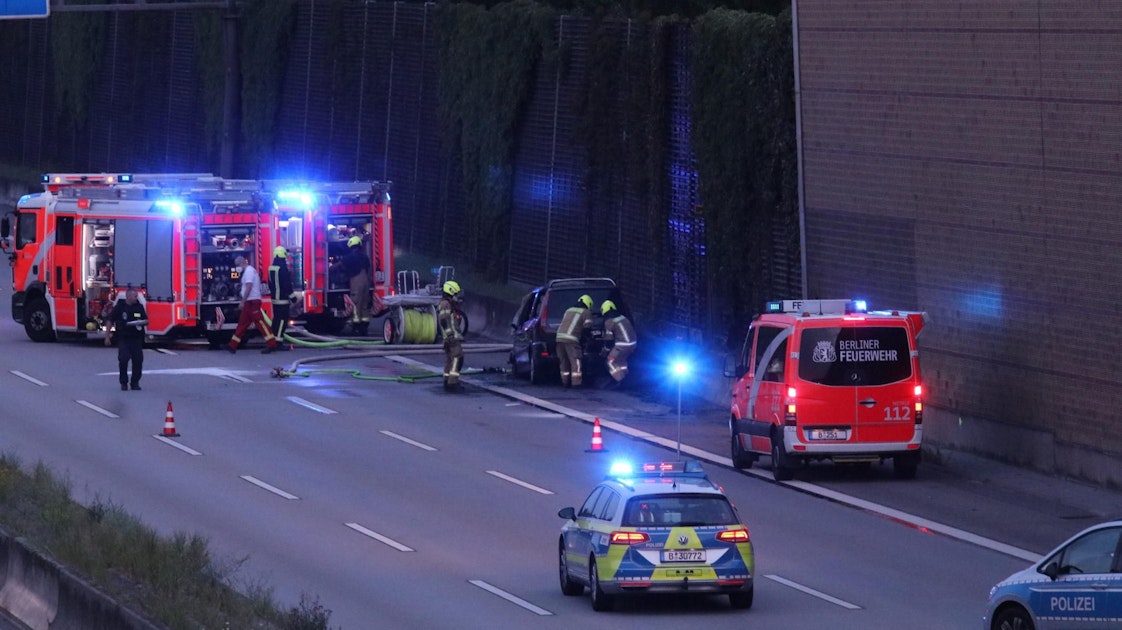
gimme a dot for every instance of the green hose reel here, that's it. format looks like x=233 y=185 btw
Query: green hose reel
x=410 y=325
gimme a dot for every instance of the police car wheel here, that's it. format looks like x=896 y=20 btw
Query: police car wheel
x=742 y=601
x=1013 y=618
x=569 y=587
x=600 y=600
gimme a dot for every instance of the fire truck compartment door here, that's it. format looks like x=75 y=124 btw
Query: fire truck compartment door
x=143 y=255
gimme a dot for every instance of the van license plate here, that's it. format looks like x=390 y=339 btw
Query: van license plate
x=829 y=434
x=683 y=555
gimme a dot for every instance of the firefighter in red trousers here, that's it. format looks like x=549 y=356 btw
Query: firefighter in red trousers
x=251 y=314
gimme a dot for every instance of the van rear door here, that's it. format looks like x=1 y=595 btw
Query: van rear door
x=865 y=368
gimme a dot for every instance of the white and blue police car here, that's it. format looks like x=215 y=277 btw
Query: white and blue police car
x=1077 y=585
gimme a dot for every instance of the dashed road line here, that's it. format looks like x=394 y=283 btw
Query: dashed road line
x=810 y=591
x=380 y=538
x=185 y=449
x=517 y=601
x=310 y=405
x=408 y=441
x=275 y=490
x=90 y=405
x=518 y=482
x=29 y=379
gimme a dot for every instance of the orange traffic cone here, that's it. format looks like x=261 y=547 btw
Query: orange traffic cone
x=597 y=439
x=169 y=423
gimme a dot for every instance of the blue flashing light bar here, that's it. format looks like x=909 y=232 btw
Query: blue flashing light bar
x=173 y=207
x=296 y=197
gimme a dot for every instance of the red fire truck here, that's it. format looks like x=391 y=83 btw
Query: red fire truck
x=78 y=245
x=315 y=221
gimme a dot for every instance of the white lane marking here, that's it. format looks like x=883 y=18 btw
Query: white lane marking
x=310 y=405
x=811 y=591
x=275 y=490
x=380 y=538
x=189 y=451
x=235 y=377
x=90 y=405
x=517 y=601
x=916 y=521
x=407 y=440
x=512 y=404
x=166 y=351
x=28 y=378
x=903 y=517
x=204 y=371
x=518 y=482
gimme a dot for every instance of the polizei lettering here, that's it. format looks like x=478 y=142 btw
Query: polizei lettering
x=1084 y=603
x=863 y=350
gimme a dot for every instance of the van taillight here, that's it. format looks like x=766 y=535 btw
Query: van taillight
x=919 y=404
x=790 y=415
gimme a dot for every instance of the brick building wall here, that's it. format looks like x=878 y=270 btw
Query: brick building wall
x=964 y=158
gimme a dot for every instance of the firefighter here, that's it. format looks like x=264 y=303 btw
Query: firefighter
x=447 y=316
x=356 y=264
x=129 y=319
x=280 y=279
x=574 y=324
x=619 y=331
x=251 y=314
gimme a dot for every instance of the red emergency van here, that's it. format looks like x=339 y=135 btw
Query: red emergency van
x=828 y=380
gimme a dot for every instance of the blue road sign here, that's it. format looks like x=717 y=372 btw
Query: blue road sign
x=15 y=9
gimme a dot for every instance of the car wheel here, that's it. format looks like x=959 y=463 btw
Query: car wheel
x=740 y=457
x=905 y=466
x=743 y=601
x=37 y=321
x=1012 y=618
x=569 y=586
x=601 y=601
x=537 y=374
x=781 y=468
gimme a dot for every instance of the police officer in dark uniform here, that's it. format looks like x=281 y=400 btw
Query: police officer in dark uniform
x=129 y=318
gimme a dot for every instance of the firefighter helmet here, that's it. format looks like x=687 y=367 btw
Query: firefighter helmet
x=586 y=300
x=354 y=241
x=451 y=287
x=280 y=252
x=607 y=307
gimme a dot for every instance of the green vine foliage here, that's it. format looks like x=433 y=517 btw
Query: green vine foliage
x=77 y=46
x=741 y=134
x=488 y=62
x=268 y=25
x=211 y=64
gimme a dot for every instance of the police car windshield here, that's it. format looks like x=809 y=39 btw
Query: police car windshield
x=855 y=355
x=679 y=510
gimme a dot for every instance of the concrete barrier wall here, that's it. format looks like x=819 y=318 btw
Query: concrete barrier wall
x=44 y=595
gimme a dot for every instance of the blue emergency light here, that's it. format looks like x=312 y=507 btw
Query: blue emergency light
x=859 y=306
x=173 y=207
x=297 y=197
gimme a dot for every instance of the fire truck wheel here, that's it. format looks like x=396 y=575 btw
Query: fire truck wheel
x=37 y=321
x=218 y=338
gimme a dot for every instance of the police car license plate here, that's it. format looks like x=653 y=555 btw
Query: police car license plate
x=683 y=555
x=829 y=434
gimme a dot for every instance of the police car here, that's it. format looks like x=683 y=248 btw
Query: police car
x=664 y=528
x=1077 y=585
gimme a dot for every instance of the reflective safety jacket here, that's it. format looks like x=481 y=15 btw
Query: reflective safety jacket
x=620 y=329
x=446 y=320
x=280 y=281
x=574 y=322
